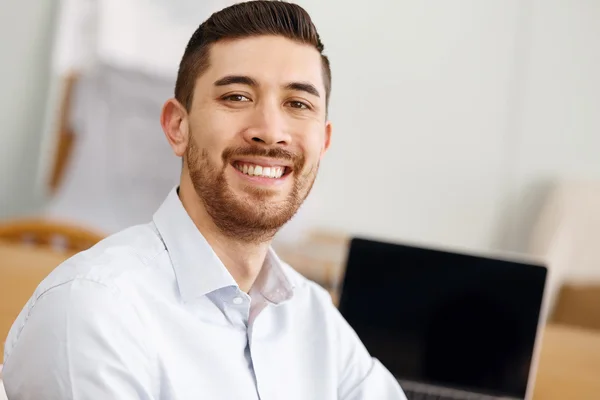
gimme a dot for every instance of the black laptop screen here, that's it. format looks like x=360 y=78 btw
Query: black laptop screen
x=444 y=318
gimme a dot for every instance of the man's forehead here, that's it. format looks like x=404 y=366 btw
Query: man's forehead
x=268 y=59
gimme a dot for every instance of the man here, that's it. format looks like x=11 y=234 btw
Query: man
x=195 y=305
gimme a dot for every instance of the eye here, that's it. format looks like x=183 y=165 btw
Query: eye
x=236 y=98
x=299 y=105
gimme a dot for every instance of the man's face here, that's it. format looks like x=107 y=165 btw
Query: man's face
x=257 y=131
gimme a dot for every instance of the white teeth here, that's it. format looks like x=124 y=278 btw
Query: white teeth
x=258 y=170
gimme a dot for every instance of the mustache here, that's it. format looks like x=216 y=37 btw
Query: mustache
x=273 y=152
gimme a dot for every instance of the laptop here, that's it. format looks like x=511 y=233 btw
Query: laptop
x=447 y=325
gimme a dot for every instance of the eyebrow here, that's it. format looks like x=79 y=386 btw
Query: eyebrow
x=303 y=87
x=236 y=79
x=248 y=81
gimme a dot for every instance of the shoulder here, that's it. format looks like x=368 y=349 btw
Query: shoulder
x=111 y=262
x=77 y=330
x=97 y=283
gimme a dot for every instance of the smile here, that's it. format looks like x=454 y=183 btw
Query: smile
x=273 y=171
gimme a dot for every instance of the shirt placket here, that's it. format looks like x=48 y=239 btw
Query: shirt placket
x=236 y=305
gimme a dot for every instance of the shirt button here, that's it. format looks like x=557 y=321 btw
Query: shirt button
x=237 y=300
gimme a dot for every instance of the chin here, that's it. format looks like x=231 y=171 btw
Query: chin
x=262 y=201
x=256 y=193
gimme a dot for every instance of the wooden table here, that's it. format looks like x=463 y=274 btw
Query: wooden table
x=569 y=366
x=22 y=268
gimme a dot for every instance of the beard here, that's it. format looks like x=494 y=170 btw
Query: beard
x=255 y=217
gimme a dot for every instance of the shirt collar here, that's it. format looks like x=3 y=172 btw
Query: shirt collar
x=273 y=281
x=197 y=267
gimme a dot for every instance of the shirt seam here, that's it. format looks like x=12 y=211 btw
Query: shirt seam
x=361 y=381
x=34 y=302
x=145 y=263
x=116 y=292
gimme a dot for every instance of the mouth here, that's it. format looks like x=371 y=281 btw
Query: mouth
x=265 y=170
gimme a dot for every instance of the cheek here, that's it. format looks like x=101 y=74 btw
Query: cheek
x=312 y=145
x=213 y=131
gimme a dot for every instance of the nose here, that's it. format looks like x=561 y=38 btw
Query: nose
x=267 y=127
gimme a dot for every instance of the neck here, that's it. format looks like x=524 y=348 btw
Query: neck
x=243 y=260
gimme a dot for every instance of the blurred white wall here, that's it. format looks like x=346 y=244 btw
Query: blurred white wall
x=449 y=117
x=557 y=126
x=26 y=30
x=452 y=117
x=420 y=104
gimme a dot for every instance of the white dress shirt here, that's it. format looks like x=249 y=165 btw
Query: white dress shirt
x=152 y=313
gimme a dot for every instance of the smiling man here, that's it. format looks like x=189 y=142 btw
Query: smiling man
x=195 y=304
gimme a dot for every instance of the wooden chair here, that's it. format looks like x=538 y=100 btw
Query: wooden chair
x=60 y=236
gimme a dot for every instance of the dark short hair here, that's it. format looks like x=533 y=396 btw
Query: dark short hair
x=248 y=19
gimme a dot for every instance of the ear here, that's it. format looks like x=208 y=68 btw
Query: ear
x=328 y=129
x=174 y=121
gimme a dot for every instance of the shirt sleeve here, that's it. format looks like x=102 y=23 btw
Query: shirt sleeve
x=80 y=341
x=362 y=377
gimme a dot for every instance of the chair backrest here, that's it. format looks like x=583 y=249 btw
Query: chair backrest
x=60 y=236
